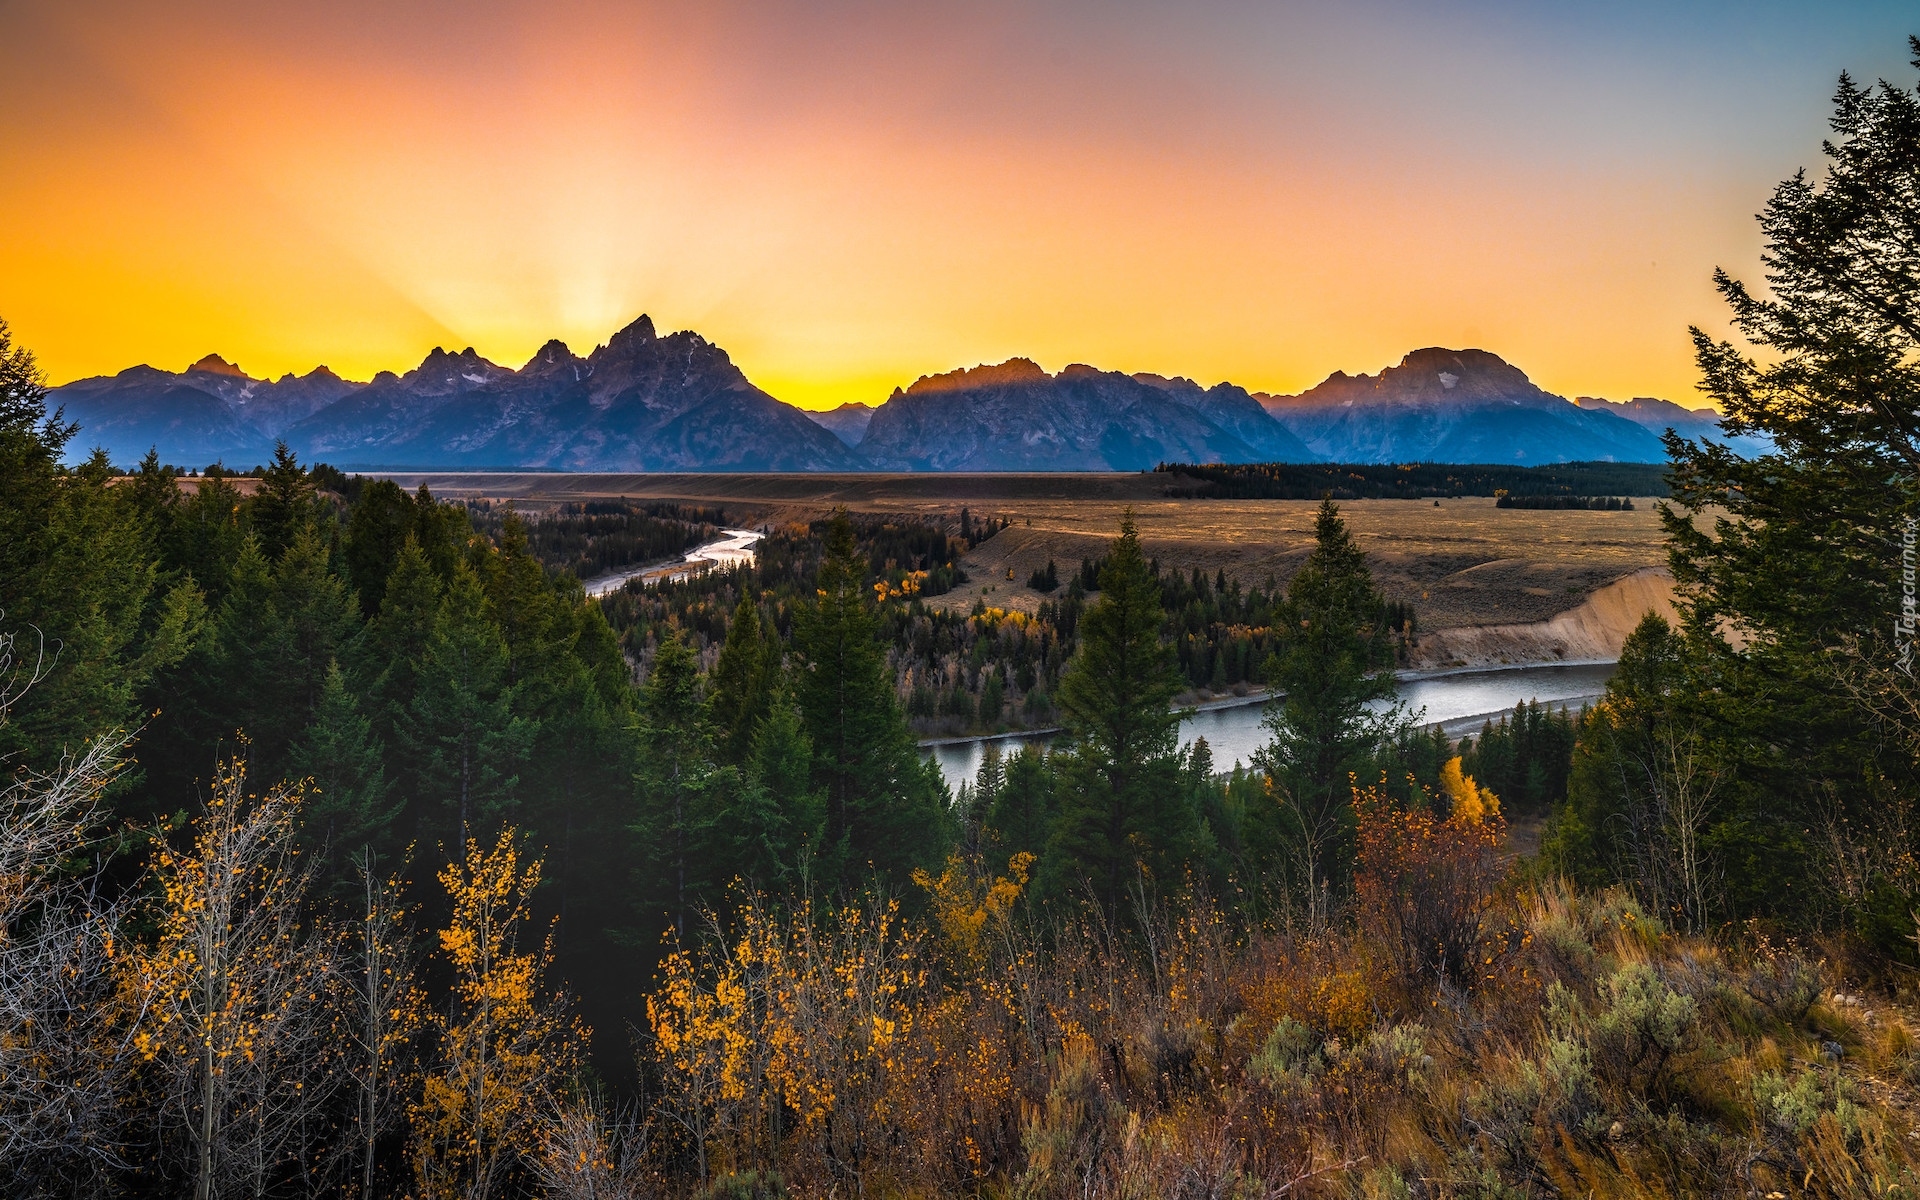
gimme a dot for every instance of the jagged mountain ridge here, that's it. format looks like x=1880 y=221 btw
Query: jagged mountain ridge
x=209 y=412
x=1662 y=415
x=848 y=422
x=1462 y=406
x=643 y=402
x=639 y=403
x=1014 y=416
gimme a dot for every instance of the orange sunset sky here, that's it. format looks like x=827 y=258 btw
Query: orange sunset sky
x=848 y=195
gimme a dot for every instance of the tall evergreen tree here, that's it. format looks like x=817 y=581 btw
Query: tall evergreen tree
x=466 y=744
x=394 y=647
x=377 y=529
x=677 y=780
x=284 y=504
x=319 y=619
x=1020 y=817
x=352 y=811
x=741 y=686
x=1331 y=665
x=1806 y=550
x=885 y=808
x=522 y=605
x=79 y=587
x=1121 y=811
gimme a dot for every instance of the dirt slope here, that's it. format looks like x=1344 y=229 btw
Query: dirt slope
x=1593 y=630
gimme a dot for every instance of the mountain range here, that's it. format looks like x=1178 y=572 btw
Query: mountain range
x=643 y=402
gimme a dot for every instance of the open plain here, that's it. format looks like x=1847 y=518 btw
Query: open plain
x=1462 y=562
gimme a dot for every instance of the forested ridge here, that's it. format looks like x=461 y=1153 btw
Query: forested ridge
x=347 y=849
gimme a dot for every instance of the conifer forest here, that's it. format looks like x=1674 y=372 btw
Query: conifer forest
x=348 y=848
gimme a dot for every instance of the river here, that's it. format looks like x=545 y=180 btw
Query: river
x=1459 y=702
x=732 y=550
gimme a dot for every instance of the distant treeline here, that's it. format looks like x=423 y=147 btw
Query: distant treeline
x=1596 y=503
x=1411 y=481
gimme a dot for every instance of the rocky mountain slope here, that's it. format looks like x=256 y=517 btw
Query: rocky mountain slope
x=1014 y=416
x=1662 y=415
x=1464 y=406
x=848 y=422
x=643 y=402
x=639 y=403
x=209 y=412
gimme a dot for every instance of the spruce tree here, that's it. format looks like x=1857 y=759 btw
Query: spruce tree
x=79 y=589
x=1019 y=819
x=768 y=818
x=885 y=808
x=522 y=605
x=466 y=745
x=1121 y=811
x=676 y=781
x=394 y=647
x=1803 y=550
x=741 y=685
x=283 y=505
x=1331 y=666
x=352 y=810
x=377 y=529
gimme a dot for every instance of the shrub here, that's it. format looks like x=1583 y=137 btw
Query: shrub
x=1291 y=1056
x=1424 y=885
x=1640 y=1023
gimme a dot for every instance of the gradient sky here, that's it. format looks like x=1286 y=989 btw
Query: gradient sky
x=847 y=195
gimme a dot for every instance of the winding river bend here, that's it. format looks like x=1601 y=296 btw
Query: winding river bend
x=1459 y=702
x=731 y=550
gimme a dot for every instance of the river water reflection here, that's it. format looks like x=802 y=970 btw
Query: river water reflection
x=1458 y=703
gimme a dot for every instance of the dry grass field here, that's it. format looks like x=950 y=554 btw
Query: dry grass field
x=1462 y=562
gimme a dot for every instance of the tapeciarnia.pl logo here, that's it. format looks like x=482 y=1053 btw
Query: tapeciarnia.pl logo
x=1904 y=626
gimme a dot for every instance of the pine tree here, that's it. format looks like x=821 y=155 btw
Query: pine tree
x=1019 y=818
x=284 y=504
x=79 y=586
x=1801 y=548
x=522 y=605
x=793 y=828
x=318 y=618
x=377 y=529
x=1121 y=812
x=350 y=811
x=1332 y=663
x=740 y=687
x=395 y=645
x=885 y=809
x=466 y=745
x=677 y=779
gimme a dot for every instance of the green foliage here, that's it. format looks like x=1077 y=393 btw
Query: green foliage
x=381 y=523
x=352 y=808
x=740 y=690
x=885 y=807
x=1121 y=812
x=1332 y=662
x=283 y=507
x=95 y=617
x=463 y=740
x=1798 y=551
x=1524 y=758
x=677 y=781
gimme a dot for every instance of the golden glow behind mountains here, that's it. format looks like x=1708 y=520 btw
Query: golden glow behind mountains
x=846 y=196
